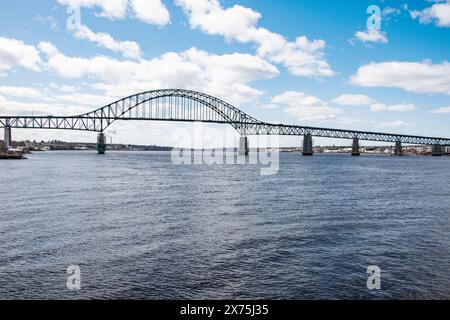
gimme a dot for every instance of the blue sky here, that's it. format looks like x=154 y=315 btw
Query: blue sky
x=297 y=62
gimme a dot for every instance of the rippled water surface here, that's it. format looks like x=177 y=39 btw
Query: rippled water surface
x=141 y=227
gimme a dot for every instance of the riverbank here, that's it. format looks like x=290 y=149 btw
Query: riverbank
x=11 y=155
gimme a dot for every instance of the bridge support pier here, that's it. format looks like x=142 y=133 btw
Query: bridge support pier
x=307 y=145
x=437 y=151
x=398 y=151
x=7 y=138
x=355 y=148
x=101 y=143
x=243 y=146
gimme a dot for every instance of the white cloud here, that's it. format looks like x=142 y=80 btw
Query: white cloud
x=302 y=57
x=236 y=22
x=390 y=11
x=13 y=107
x=353 y=100
x=15 y=53
x=269 y=106
x=129 y=49
x=442 y=110
x=438 y=13
x=374 y=35
x=404 y=107
x=64 y=88
x=49 y=100
x=394 y=124
x=227 y=76
x=111 y=8
x=76 y=67
x=91 y=101
x=22 y=92
x=47 y=20
x=419 y=77
x=304 y=107
x=150 y=11
x=363 y=100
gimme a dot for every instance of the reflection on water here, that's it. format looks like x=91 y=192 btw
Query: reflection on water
x=140 y=227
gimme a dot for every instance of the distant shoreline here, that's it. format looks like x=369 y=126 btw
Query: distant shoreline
x=34 y=146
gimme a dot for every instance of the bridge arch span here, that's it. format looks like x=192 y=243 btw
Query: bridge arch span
x=172 y=105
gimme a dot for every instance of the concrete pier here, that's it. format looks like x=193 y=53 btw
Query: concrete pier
x=355 y=148
x=398 y=151
x=437 y=150
x=307 y=145
x=7 y=138
x=101 y=143
x=243 y=146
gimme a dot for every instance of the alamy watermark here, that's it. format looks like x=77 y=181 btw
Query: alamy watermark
x=74 y=20
x=199 y=145
x=374 y=278
x=374 y=21
x=74 y=278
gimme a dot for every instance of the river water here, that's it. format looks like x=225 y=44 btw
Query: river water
x=140 y=227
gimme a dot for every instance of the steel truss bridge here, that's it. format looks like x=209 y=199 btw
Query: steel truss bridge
x=191 y=106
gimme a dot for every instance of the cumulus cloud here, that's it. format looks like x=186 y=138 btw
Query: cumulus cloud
x=13 y=106
x=64 y=88
x=302 y=57
x=388 y=12
x=53 y=99
x=47 y=20
x=375 y=36
x=150 y=11
x=227 y=76
x=393 y=124
x=269 y=106
x=129 y=49
x=22 y=92
x=363 y=100
x=403 y=107
x=305 y=107
x=110 y=8
x=442 y=110
x=310 y=108
x=419 y=77
x=353 y=100
x=439 y=13
x=15 y=53
x=84 y=99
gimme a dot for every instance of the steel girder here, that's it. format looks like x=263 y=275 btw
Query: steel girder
x=287 y=130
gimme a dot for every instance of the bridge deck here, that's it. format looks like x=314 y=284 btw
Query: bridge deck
x=93 y=124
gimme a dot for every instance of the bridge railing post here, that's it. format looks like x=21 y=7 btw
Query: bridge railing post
x=307 y=145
